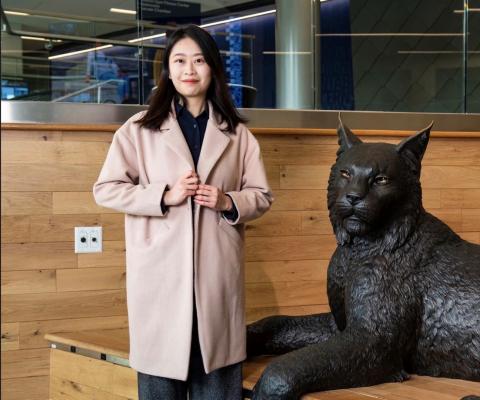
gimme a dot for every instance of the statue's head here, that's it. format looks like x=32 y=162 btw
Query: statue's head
x=374 y=188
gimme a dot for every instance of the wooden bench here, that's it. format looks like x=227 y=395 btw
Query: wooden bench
x=94 y=365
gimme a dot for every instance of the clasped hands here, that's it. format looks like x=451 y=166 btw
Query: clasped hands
x=204 y=195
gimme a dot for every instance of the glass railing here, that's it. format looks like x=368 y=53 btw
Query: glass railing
x=303 y=54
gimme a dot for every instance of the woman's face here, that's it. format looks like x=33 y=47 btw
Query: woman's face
x=189 y=72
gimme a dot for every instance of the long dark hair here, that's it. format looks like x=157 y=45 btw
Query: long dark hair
x=218 y=93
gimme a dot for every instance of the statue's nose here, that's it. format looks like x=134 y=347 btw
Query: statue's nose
x=353 y=198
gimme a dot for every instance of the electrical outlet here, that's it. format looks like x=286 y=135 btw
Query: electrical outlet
x=88 y=239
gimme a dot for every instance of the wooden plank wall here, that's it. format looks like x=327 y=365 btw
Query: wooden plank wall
x=46 y=182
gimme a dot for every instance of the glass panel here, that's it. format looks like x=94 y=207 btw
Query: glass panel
x=105 y=74
x=63 y=52
x=242 y=43
x=391 y=56
x=473 y=59
x=400 y=55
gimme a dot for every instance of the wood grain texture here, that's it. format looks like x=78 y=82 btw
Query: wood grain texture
x=111 y=341
x=25 y=363
x=31 y=388
x=26 y=203
x=417 y=388
x=10 y=336
x=260 y=131
x=54 y=152
x=31 y=334
x=95 y=374
x=64 y=389
x=81 y=279
x=47 y=178
x=32 y=256
x=113 y=255
x=50 y=306
x=76 y=203
x=37 y=281
x=286 y=271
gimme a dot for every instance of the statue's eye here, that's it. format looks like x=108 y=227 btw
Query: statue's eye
x=381 y=180
x=345 y=173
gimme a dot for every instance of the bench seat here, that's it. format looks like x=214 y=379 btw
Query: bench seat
x=94 y=364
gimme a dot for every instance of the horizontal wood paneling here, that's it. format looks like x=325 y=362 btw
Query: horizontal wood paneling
x=26 y=203
x=31 y=334
x=77 y=203
x=31 y=256
x=25 y=363
x=47 y=179
x=31 y=388
x=287 y=248
x=57 y=153
x=285 y=271
x=285 y=294
x=113 y=255
x=94 y=374
x=73 y=280
x=36 y=281
x=40 y=306
x=10 y=336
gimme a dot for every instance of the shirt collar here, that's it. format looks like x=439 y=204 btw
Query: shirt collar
x=180 y=109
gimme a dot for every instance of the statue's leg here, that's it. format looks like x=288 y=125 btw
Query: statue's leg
x=281 y=334
x=345 y=360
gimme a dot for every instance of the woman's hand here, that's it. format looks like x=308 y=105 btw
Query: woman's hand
x=212 y=197
x=186 y=186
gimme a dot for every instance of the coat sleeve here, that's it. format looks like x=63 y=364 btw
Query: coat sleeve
x=255 y=197
x=117 y=186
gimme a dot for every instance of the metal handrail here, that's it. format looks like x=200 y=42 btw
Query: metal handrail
x=86 y=89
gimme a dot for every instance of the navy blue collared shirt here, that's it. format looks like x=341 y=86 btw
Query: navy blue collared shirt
x=193 y=130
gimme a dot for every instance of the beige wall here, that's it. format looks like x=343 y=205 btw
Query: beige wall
x=47 y=176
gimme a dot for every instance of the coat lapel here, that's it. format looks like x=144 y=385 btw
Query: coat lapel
x=173 y=136
x=214 y=144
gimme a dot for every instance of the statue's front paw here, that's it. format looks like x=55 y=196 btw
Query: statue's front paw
x=400 y=376
x=274 y=385
x=255 y=339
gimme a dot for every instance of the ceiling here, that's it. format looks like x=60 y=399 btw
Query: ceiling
x=95 y=8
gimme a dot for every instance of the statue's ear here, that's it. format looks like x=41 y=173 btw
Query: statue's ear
x=415 y=145
x=346 y=138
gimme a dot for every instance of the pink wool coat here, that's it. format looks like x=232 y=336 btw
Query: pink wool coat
x=164 y=252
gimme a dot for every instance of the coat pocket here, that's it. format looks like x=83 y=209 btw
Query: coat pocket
x=231 y=231
x=143 y=231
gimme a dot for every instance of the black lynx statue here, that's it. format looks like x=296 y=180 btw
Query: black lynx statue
x=403 y=288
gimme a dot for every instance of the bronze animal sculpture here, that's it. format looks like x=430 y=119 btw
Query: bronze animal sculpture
x=403 y=288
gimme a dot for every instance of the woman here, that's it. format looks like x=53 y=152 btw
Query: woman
x=188 y=174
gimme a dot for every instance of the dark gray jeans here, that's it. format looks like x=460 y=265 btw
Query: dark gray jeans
x=222 y=384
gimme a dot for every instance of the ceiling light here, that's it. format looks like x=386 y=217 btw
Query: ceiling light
x=79 y=52
x=466 y=9
x=123 y=11
x=435 y=52
x=367 y=34
x=283 y=53
x=224 y=21
x=15 y=13
x=40 y=39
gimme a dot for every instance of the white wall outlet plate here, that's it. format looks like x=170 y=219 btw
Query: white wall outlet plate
x=88 y=239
